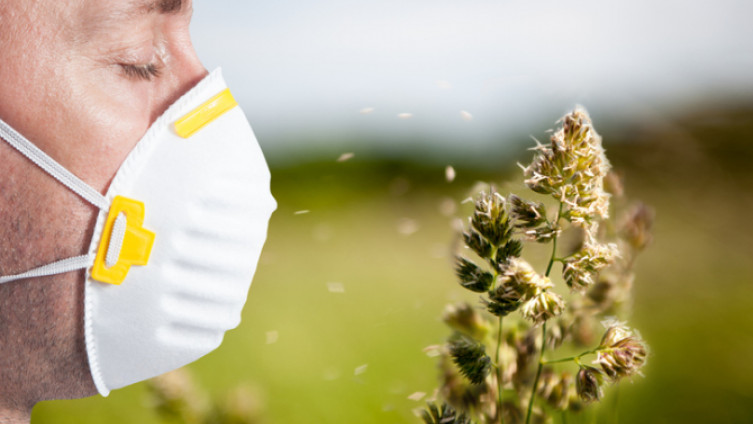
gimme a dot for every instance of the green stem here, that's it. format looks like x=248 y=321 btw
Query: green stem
x=570 y=358
x=615 y=410
x=554 y=243
x=543 y=327
x=499 y=374
x=558 y=361
x=538 y=373
x=499 y=340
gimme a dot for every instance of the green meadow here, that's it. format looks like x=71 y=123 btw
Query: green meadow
x=357 y=270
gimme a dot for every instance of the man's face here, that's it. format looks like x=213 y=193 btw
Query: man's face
x=87 y=77
x=83 y=80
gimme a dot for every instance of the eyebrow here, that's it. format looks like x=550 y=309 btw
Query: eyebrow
x=166 y=6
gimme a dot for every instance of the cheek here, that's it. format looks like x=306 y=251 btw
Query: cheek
x=110 y=116
x=86 y=119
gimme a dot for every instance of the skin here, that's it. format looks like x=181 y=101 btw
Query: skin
x=76 y=79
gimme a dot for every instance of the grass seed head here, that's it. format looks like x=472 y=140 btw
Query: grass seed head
x=543 y=307
x=588 y=384
x=464 y=318
x=621 y=352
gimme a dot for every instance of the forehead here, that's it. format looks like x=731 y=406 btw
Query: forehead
x=94 y=10
x=102 y=15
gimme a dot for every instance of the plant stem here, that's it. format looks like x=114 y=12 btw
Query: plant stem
x=558 y=361
x=538 y=372
x=499 y=342
x=554 y=243
x=543 y=326
x=499 y=374
x=570 y=358
x=615 y=409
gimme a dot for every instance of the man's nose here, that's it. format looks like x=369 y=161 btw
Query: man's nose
x=182 y=71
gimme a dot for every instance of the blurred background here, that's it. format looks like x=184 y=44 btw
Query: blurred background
x=361 y=106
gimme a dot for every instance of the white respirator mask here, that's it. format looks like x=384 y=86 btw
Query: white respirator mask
x=177 y=239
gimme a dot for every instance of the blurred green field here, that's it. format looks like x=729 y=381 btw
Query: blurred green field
x=376 y=229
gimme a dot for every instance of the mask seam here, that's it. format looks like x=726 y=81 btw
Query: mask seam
x=91 y=346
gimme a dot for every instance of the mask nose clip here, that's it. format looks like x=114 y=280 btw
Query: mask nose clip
x=125 y=242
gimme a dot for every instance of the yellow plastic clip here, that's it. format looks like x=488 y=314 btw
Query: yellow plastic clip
x=204 y=114
x=137 y=242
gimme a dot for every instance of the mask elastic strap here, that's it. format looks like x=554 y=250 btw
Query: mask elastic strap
x=59 y=267
x=57 y=171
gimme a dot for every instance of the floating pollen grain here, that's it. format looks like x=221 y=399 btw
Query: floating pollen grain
x=417 y=396
x=433 y=351
x=272 y=336
x=405 y=115
x=407 y=226
x=366 y=110
x=335 y=287
x=449 y=174
x=301 y=212
x=345 y=156
x=360 y=369
x=466 y=116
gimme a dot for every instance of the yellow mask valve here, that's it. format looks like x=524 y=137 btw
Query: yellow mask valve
x=136 y=246
x=204 y=114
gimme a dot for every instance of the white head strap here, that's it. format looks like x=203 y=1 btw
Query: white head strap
x=49 y=165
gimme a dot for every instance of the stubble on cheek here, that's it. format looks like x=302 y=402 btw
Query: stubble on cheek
x=42 y=220
x=43 y=352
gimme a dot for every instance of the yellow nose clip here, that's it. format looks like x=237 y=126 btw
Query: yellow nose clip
x=205 y=113
x=114 y=259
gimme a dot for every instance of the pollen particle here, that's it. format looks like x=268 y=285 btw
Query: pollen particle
x=417 y=396
x=407 y=226
x=449 y=174
x=345 y=156
x=360 y=369
x=335 y=287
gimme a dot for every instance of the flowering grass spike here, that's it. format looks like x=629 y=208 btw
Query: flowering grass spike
x=496 y=366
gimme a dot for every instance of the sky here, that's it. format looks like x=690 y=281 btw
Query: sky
x=464 y=76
